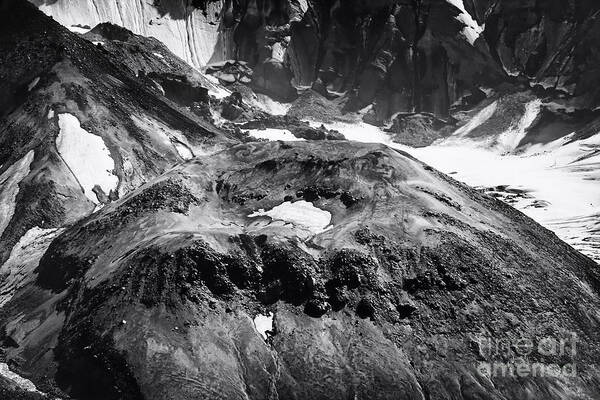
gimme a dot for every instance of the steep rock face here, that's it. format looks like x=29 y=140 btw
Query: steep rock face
x=189 y=28
x=553 y=42
x=414 y=56
x=382 y=296
x=402 y=57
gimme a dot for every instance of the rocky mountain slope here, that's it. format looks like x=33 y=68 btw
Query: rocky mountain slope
x=151 y=250
x=382 y=293
x=78 y=130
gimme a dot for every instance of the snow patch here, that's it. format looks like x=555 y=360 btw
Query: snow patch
x=51 y=114
x=264 y=324
x=216 y=89
x=159 y=55
x=9 y=188
x=184 y=151
x=273 y=134
x=303 y=5
x=78 y=29
x=509 y=72
x=359 y=131
x=97 y=42
x=277 y=52
x=300 y=213
x=472 y=29
x=561 y=193
x=33 y=84
x=87 y=157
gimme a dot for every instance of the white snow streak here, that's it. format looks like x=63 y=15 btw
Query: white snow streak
x=33 y=84
x=184 y=151
x=273 y=134
x=301 y=213
x=509 y=140
x=87 y=157
x=472 y=29
x=216 y=90
x=479 y=119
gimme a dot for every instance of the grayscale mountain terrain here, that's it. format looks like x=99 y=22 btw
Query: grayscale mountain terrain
x=297 y=199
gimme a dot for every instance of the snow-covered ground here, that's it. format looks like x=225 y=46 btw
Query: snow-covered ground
x=217 y=90
x=300 y=213
x=556 y=184
x=264 y=324
x=273 y=134
x=86 y=156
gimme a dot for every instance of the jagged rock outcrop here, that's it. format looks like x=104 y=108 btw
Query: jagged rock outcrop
x=555 y=43
x=407 y=56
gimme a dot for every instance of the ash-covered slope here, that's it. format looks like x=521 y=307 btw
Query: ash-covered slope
x=381 y=277
x=77 y=130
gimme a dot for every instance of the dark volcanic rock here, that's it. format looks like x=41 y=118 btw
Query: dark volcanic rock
x=162 y=285
x=419 y=130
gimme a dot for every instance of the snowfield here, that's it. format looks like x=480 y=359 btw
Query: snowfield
x=87 y=157
x=273 y=134
x=264 y=323
x=300 y=213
